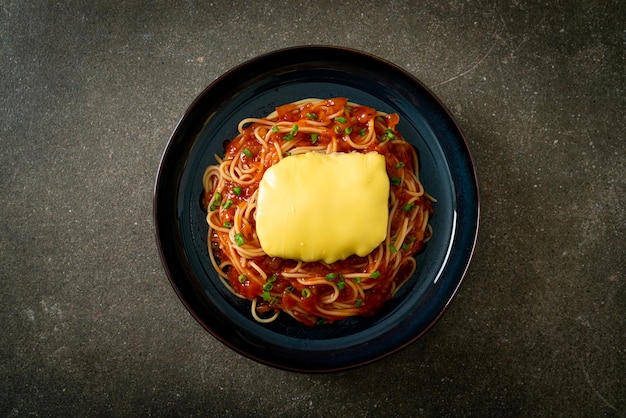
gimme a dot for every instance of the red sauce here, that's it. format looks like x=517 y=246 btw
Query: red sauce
x=363 y=114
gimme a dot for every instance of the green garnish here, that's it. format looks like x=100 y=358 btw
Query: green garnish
x=408 y=207
x=272 y=279
x=275 y=300
x=306 y=293
x=242 y=278
x=405 y=246
x=322 y=321
x=237 y=190
x=400 y=165
x=239 y=240
x=375 y=275
x=395 y=181
x=247 y=153
x=388 y=134
x=363 y=132
x=311 y=116
x=228 y=224
x=266 y=296
x=268 y=286
x=275 y=129
x=314 y=138
x=331 y=276
x=228 y=204
x=356 y=280
x=216 y=201
x=393 y=248
x=341 y=119
x=358 y=303
x=348 y=130
x=294 y=129
x=337 y=129
x=288 y=137
x=341 y=283
x=289 y=289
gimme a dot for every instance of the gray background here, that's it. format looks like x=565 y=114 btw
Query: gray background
x=90 y=92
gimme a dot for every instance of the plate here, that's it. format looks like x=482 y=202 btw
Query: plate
x=254 y=89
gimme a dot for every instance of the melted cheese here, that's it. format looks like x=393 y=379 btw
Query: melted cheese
x=314 y=207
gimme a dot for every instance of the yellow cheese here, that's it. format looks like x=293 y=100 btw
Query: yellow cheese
x=314 y=206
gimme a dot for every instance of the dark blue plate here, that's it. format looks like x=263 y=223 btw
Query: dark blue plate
x=254 y=89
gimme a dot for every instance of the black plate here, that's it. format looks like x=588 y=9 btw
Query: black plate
x=254 y=89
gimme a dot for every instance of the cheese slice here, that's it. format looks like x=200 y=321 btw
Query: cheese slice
x=326 y=207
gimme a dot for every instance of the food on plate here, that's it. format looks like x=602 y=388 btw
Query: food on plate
x=317 y=211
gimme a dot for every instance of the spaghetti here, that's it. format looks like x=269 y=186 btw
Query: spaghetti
x=313 y=292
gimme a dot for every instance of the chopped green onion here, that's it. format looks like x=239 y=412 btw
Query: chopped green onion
x=306 y=293
x=331 y=276
x=272 y=279
x=400 y=165
x=228 y=224
x=288 y=137
x=341 y=119
x=408 y=207
x=286 y=154
x=247 y=153
x=405 y=246
x=294 y=129
x=358 y=303
x=239 y=240
x=363 y=131
x=275 y=300
x=337 y=129
x=266 y=296
x=275 y=129
x=348 y=130
x=390 y=134
x=217 y=197
x=242 y=278
x=237 y=190
x=289 y=289
x=311 y=116
x=268 y=286
x=228 y=204
x=314 y=138
x=341 y=283
x=396 y=181
x=356 y=280
x=322 y=321
x=393 y=248
x=375 y=275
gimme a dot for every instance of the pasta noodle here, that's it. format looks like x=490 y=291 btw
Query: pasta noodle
x=313 y=292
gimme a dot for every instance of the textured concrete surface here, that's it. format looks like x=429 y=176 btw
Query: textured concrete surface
x=90 y=92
